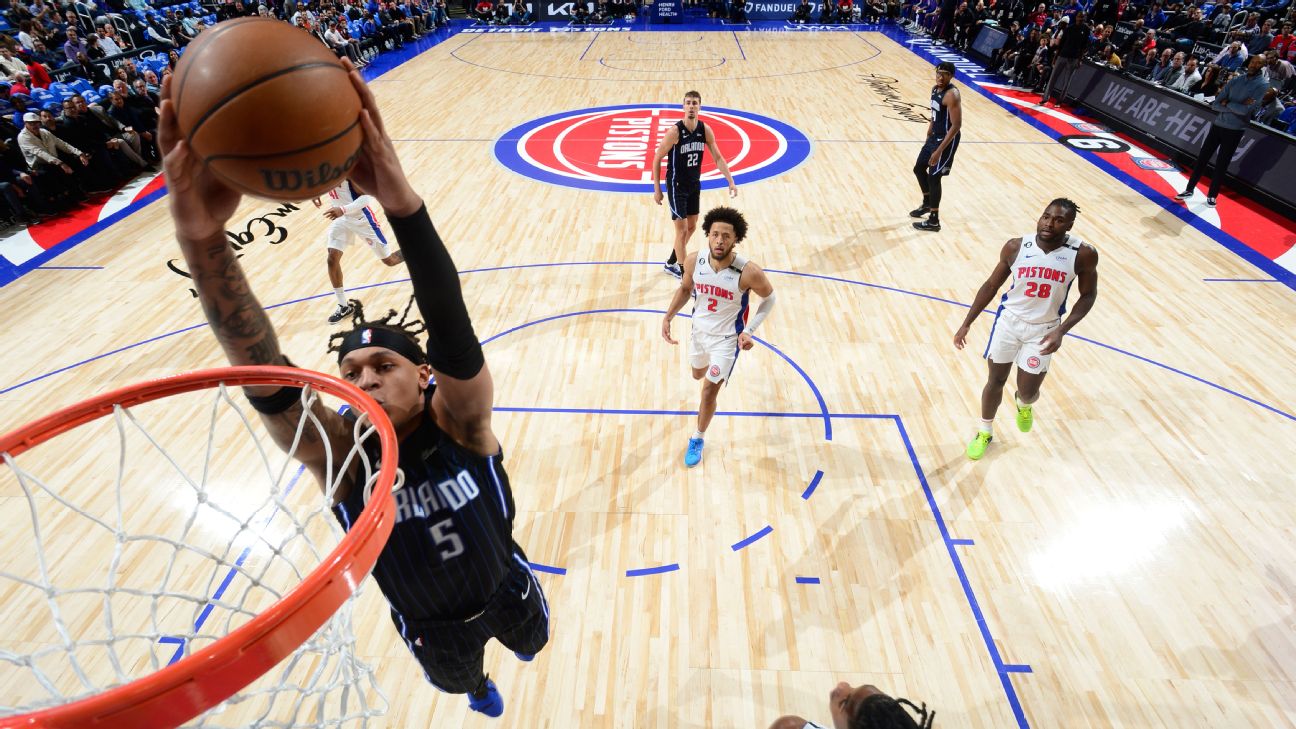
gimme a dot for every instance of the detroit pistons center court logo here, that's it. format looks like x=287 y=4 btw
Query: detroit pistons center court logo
x=610 y=148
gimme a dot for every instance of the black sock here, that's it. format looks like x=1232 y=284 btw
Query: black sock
x=671 y=261
x=933 y=216
x=481 y=691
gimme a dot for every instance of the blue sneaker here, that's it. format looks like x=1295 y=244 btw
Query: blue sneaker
x=525 y=657
x=693 y=455
x=492 y=704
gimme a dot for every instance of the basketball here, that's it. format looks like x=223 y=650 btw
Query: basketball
x=268 y=108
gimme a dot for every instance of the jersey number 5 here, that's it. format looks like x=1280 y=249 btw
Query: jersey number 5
x=450 y=543
x=1038 y=290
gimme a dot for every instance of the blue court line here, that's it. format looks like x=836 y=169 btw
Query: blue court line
x=823 y=406
x=835 y=279
x=652 y=570
x=638 y=411
x=591 y=45
x=853 y=282
x=807 y=580
x=648 y=411
x=1000 y=667
x=722 y=62
x=915 y=141
x=753 y=538
x=814 y=483
x=1242 y=280
x=1237 y=247
x=547 y=569
x=16 y=272
x=1195 y=378
x=740 y=48
x=962 y=542
x=430 y=139
x=630 y=37
x=225 y=583
x=109 y=353
x=1017 y=668
x=69 y=268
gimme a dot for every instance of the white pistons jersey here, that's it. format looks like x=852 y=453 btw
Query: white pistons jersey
x=719 y=305
x=1041 y=281
x=344 y=194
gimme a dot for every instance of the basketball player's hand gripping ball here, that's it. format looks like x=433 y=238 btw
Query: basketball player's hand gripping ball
x=200 y=204
x=377 y=169
x=268 y=108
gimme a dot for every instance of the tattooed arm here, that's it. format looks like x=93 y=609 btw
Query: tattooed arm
x=201 y=207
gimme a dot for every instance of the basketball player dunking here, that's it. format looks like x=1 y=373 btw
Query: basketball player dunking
x=451 y=572
x=352 y=216
x=719 y=281
x=937 y=155
x=682 y=147
x=1028 y=327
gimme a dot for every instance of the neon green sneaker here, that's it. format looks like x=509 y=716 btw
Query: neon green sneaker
x=1025 y=417
x=977 y=447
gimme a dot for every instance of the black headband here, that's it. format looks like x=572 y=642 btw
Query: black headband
x=381 y=337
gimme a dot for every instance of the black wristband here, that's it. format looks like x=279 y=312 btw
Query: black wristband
x=281 y=400
x=452 y=345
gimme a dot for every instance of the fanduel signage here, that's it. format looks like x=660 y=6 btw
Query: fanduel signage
x=779 y=11
x=1264 y=160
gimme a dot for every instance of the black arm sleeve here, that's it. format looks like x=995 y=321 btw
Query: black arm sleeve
x=452 y=346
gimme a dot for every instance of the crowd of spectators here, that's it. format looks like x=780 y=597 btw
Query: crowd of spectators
x=79 y=82
x=1191 y=47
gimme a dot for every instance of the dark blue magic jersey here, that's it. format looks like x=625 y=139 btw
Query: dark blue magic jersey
x=940 y=113
x=452 y=543
x=684 y=163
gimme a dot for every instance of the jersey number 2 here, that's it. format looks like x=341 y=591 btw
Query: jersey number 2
x=712 y=306
x=1038 y=290
x=450 y=543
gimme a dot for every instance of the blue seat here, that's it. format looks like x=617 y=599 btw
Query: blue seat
x=1288 y=115
x=81 y=85
x=105 y=90
x=53 y=107
x=41 y=95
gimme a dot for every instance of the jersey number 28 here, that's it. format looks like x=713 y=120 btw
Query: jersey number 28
x=1038 y=290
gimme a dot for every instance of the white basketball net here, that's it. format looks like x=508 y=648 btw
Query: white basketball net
x=125 y=559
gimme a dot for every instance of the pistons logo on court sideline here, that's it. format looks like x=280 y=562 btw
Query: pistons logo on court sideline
x=610 y=148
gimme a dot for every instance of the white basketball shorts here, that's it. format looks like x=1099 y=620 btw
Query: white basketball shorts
x=1019 y=342
x=343 y=230
x=714 y=352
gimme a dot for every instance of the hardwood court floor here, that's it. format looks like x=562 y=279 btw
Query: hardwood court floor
x=1135 y=551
